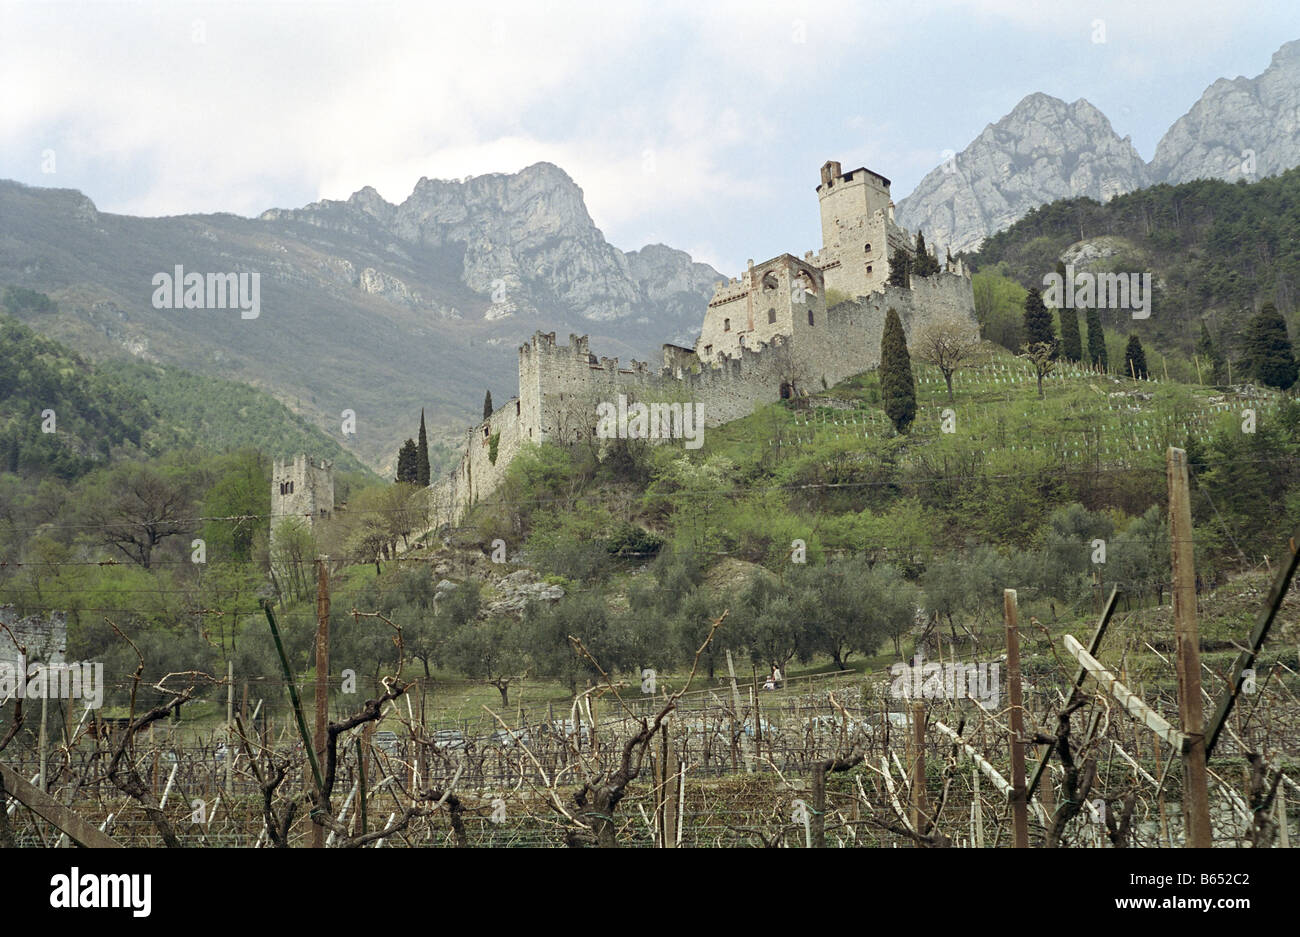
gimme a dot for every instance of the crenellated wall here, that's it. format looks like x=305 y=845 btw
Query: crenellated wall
x=766 y=335
x=562 y=384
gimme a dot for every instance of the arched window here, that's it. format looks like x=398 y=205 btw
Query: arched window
x=868 y=248
x=726 y=325
x=810 y=317
x=290 y=487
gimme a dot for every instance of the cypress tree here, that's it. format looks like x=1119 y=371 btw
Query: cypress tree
x=422 y=456
x=897 y=385
x=1097 y=356
x=926 y=263
x=487 y=405
x=900 y=269
x=1038 y=322
x=1135 y=359
x=1205 y=348
x=1268 y=349
x=1071 y=341
x=406 y=462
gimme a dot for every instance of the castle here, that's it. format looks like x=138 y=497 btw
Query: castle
x=767 y=335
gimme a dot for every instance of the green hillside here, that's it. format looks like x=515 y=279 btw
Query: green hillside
x=837 y=476
x=129 y=409
x=196 y=410
x=92 y=414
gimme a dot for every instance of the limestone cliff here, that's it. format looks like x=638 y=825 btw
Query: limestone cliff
x=1234 y=117
x=378 y=308
x=526 y=243
x=1046 y=149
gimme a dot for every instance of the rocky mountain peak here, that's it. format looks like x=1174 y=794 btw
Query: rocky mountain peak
x=1287 y=54
x=1241 y=128
x=1044 y=149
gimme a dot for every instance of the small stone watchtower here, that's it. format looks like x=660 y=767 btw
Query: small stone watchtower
x=303 y=488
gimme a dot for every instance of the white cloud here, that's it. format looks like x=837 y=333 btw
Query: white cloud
x=280 y=103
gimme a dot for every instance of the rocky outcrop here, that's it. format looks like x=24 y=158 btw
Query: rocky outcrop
x=671 y=282
x=515 y=591
x=1043 y=150
x=511 y=594
x=1234 y=119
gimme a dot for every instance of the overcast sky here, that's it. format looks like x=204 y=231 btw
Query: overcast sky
x=700 y=124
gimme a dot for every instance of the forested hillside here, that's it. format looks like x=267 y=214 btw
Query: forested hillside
x=43 y=383
x=127 y=408
x=1216 y=252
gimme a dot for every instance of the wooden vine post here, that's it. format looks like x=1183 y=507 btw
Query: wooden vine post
x=1019 y=798
x=1187 y=659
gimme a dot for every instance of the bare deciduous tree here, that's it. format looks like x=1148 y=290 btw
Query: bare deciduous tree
x=1041 y=355
x=947 y=342
x=136 y=508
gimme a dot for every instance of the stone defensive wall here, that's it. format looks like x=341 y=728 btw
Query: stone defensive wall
x=478 y=475
x=560 y=385
x=850 y=341
x=45 y=639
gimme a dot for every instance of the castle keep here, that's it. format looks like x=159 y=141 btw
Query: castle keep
x=767 y=335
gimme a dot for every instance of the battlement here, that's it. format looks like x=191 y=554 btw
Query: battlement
x=834 y=179
x=299 y=465
x=543 y=343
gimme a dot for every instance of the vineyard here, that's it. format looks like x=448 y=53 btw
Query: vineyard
x=892 y=758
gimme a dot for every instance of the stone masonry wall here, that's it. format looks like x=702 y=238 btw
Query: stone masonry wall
x=849 y=342
x=46 y=639
x=312 y=496
x=561 y=385
x=751 y=312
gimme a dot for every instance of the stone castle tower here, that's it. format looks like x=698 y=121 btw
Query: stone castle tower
x=303 y=488
x=786 y=296
x=858 y=230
